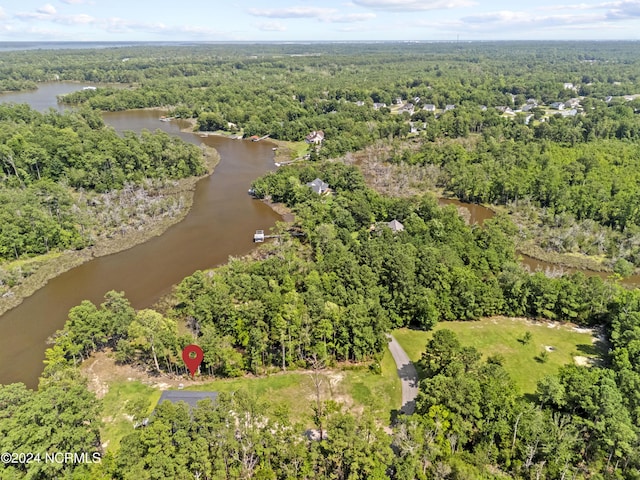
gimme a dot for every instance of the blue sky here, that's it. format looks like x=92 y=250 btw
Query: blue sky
x=343 y=20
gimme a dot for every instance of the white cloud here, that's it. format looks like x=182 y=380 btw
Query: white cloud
x=271 y=27
x=623 y=10
x=291 y=12
x=507 y=17
x=47 y=9
x=3 y=14
x=413 y=5
x=349 y=17
x=330 y=15
x=81 y=19
x=121 y=25
x=74 y=2
x=594 y=16
x=577 y=6
x=49 y=15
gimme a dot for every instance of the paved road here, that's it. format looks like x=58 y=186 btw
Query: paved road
x=408 y=376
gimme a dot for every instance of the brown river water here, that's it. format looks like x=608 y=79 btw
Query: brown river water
x=220 y=223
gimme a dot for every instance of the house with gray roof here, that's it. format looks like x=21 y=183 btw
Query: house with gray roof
x=395 y=226
x=318 y=186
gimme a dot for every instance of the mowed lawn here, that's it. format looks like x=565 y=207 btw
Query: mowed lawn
x=500 y=335
x=357 y=388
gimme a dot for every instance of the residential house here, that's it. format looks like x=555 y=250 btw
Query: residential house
x=408 y=107
x=572 y=103
x=557 y=105
x=449 y=107
x=378 y=106
x=429 y=107
x=318 y=186
x=398 y=101
x=395 y=226
x=569 y=113
x=315 y=137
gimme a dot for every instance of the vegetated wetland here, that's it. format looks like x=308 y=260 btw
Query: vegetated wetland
x=356 y=263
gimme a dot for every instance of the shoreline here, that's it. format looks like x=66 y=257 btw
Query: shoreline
x=64 y=261
x=372 y=163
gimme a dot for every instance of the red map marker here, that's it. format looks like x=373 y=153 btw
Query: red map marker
x=192 y=356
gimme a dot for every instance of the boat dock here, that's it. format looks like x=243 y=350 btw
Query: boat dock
x=255 y=138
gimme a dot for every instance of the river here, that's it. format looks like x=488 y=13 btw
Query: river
x=479 y=213
x=220 y=223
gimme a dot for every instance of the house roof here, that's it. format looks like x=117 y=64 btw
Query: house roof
x=395 y=226
x=318 y=185
x=190 y=398
x=315 y=136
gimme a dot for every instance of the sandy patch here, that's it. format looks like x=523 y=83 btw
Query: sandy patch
x=101 y=369
x=582 y=361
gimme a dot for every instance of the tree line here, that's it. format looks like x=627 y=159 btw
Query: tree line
x=336 y=293
x=49 y=160
x=332 y=295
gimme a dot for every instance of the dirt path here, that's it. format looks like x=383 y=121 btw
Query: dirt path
x=408 y=376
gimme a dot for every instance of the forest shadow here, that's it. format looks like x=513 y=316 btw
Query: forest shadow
x=593 y=349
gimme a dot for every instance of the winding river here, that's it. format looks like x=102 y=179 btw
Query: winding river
x=220 y=223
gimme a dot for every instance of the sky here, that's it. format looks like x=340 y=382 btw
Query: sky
x=315 y=20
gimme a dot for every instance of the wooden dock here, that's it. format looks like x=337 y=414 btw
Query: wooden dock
x=260 y=237
x=261 y=138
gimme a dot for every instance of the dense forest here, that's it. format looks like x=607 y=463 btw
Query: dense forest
x=325 y=293
x=52 y=161
x=510 y=123
x=330 y=296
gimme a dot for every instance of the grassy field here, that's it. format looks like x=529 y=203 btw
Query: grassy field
x=502 y=336
x=357 y=388
x=287 y=151
x=117 y=407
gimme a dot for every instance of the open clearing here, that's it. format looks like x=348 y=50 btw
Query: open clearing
x=356 y=388
x=564 y=344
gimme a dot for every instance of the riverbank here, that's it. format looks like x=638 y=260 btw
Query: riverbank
x=284 y=151
x=43 y=268
x=408 y=180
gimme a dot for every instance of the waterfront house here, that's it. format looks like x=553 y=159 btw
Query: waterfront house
x=318 y=186
x=315 y=137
